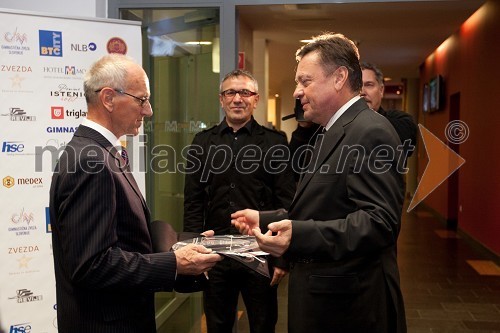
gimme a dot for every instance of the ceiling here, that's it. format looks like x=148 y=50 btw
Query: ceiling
x=396 y=36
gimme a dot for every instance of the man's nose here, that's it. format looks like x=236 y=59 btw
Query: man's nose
x=298 y=93
x=237 y=97
x=147 y=111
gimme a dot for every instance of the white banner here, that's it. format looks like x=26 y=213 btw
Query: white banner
x=42 y=63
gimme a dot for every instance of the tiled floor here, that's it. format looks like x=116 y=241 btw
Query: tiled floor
x=443 y=291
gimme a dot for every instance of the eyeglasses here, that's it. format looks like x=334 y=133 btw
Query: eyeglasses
x=230 y=93
x=142 y=100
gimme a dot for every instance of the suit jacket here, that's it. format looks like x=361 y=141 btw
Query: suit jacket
x=106 y=273
x=345 y=223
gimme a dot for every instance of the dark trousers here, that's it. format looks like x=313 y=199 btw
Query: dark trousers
x=226 y=280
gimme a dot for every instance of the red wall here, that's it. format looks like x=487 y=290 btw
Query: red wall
x=469 y=62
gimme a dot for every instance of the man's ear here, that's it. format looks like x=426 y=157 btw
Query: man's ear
x=341 y=75
x=257 y=98
x=107 y=97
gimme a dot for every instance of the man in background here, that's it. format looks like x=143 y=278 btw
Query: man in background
x=235 y=171
x=373 y=92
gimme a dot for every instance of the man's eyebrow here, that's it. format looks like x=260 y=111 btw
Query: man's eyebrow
x=302 y=77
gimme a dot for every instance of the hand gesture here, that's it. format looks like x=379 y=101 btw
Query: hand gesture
x=277 y=244
x=245 y=220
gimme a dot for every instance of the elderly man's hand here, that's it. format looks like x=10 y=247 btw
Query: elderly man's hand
x=195 y=259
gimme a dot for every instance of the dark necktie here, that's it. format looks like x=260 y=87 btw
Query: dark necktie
x=125 y=156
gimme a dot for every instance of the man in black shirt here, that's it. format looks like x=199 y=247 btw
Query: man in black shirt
x=373 y=91
x=235 y=170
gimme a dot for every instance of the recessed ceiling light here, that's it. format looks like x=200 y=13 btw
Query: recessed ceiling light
x=199 y=42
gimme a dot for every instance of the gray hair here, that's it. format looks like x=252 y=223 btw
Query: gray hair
x=109 y=71
x=378 y=73
x=239 y=72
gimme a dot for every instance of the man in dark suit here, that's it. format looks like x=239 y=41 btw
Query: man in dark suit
x=373 y=92
x=106 y=271
x=238 y=167
x=341 y=230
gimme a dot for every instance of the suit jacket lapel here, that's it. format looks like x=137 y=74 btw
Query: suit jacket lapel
x=326 y=143
x=92 y=134
x=330 y=142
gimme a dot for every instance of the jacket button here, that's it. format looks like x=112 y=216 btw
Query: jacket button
x=232 y=185
x=231 y=203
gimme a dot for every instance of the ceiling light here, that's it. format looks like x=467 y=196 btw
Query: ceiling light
x=199 y=42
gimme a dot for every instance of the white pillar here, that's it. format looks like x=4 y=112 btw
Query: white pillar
x=261 y=73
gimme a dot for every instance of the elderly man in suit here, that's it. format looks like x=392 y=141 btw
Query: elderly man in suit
x=106 y=271
x=341 y=230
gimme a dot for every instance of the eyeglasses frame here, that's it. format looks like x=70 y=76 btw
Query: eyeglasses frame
x=251 y=93
x=142 y=100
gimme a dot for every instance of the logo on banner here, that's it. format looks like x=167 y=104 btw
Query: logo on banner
x=16 y=81
x=16 y=85
x=24 y=266
x=22 y=222
x=116 y=45
x=20 y=328
x=16 y=42
x=50 y=43
x=67 y=94
x=34 y=182
x=8 y=181
x=26 y=296
x=12 y=147
x=24 y=261
x=83 y=47
x=18 y=114
x=62 y=72
x=57 y=112
x=48 y=226
x=16 y=68
x=24 y=249
x=61 y=129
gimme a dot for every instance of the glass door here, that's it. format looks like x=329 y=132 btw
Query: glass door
x=181 y=57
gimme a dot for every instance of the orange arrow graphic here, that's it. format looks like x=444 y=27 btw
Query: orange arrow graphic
x=442 y=163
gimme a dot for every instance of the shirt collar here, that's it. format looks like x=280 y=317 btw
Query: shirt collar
x=248 y=126
x=104 y=132
x=341 y=111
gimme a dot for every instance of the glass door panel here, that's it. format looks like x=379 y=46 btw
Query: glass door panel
x=181 y=58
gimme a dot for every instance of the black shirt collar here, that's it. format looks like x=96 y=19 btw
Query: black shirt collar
x=249 y=126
